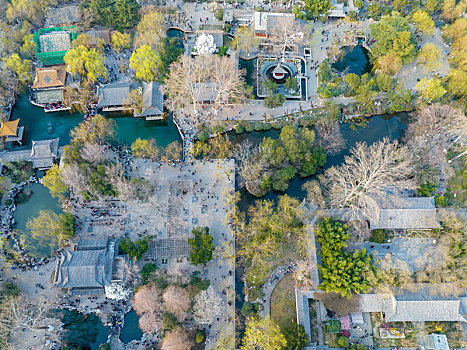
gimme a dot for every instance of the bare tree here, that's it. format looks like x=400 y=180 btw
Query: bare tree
x=213 y=76
x=314 y=193
x=329 y=135
x=93 y=152
x=176 y=301
x=339 y=304
x=73 y=177
x=147 y=303
x=371 y=176
x=177 y=339
x=436 y=130
x=302 y=276
x=284 y=34
x=115 y=174
x=252 y=172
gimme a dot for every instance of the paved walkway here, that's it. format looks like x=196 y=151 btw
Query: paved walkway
x=276 y=276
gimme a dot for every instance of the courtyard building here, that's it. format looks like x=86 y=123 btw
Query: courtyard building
x=266 y=23
x=114 y=97
x=47 y=90
x=153 y=102
x=62 y=16
x=44 y=153
x=53 y=43
x=89 y=266
x=413 y=213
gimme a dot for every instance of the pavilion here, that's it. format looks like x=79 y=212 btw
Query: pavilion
x=11 y=131
x=44 y=153
x=153 y=102
x=114 y=97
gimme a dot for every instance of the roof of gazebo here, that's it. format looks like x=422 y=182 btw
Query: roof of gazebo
x=9 y=128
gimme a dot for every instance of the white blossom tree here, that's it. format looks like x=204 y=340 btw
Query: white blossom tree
x=205 y=45
x=208 y=305
x=117 y=291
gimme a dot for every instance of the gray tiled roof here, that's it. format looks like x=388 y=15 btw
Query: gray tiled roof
x=44 y=152
x=63 y=15
x=153 y=99
x=116 y=94
x=413 y=213
x=427 y=310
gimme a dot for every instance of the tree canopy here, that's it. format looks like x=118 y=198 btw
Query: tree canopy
x=53 y=181
x=423 y=22
x=87 y=63
x=22 y=68
x=312 y=9
x=119 y=14
x=341 y=272
x=393 y=36
x=201 y=246
x=262 y=334
x=146 y=63
x=49 y=231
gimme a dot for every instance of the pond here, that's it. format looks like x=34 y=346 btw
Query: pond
x=82 y=331
x=40 y=199
x=380 y=126
x=354 y=59
x=41 y=126
x=131 y=330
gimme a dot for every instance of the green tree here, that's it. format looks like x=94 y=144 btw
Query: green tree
x=49 y=231
x=145 y=148
x=313 y=9
x=201 y=246
x=431 y=6
x=358 y=3
x=119 y=14
x=120 y=41
x=291 y=84
x=389 y=64
x=22 y=68
x=151 y=29
x=423 y=22
x=134 y=249
x=263 y=334
x=245 y=39
x=342 y=272
x=28 y=48
x=147 y=272
x=146 y=63
x=393 y=36
x=430 y=90
x=87 y=63
x=53 y=181
x=399 y=99
x=353 y=81
x=384 y=82
x=430 y=56
x=295 y=336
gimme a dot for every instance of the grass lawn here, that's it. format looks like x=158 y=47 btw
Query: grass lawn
x=283 y=302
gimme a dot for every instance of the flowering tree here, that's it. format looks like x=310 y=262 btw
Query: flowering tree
x=208 y=305
x=147 y=304
x=176 y=301
x=205 y=45
x=117 y=291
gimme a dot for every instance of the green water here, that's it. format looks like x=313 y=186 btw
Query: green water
x=82 y=331
x=131 y=330
x=40 y=199
x=41 y=126
x=355 y=58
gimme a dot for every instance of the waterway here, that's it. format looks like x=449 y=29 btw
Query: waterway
x=82 y=331
x=355 y=59
x=131 y=330
x=41 y=126
x=378 y=127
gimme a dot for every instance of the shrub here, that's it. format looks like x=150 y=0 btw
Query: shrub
x=203 y=136
x=378 y=236
x=440 y=201
x=199 y=337
x=8 y=202
x=255 y=293
x=426 y=189
x=134 y=249
x=249 y=127
x=239 y=129
x=343 y=342
x=197 y=281
x=169 y=321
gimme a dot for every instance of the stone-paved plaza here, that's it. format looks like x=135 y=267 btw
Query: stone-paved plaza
x=186 y=195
